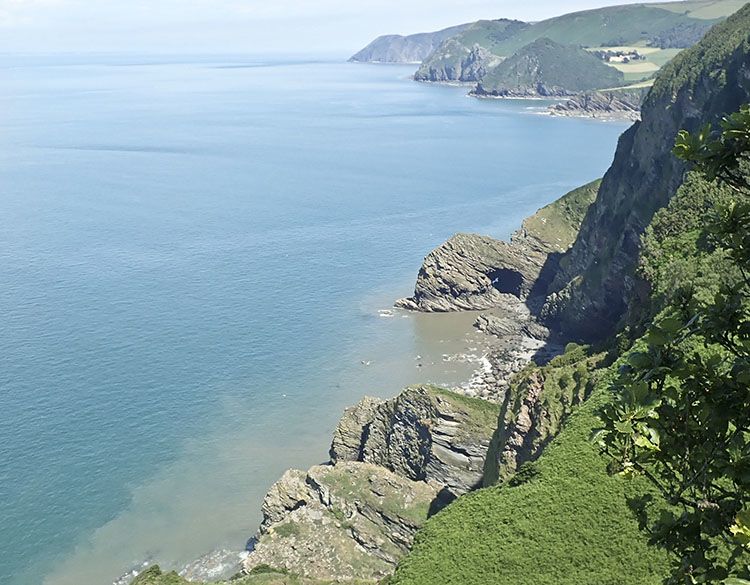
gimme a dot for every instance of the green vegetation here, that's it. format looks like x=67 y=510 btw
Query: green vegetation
x=552 y=392
x=481 y=416
x=564 y=522
x=681 y=410
x=684 y=72
x=704 y=9
x=545 y=67
x=490 y=33
x=558 y=223
x=634 y=24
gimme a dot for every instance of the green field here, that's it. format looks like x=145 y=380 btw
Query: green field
x=704 y=9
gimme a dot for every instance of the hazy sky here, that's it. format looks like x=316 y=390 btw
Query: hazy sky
x=291 y=26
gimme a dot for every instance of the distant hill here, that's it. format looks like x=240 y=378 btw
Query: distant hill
x=546 y=68
x=469 y=54
x=630 y=25
x=405 y=49
x=466 y=53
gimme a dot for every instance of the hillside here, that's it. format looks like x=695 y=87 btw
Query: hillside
x=656 y=31
x=546 y=68
x=562 y=519
x=405 y=49
x=699 y=86
x=468 y=55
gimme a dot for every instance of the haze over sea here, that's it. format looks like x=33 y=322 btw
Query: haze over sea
x=194 y=253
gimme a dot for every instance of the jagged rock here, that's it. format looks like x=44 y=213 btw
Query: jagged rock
x=602 y=104
x=348 y=436
x=344 y=521
x=453 y=61
x=512 y=323
x=473 y=272
x=424 y=434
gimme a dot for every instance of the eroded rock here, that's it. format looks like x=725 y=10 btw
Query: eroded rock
x=351 y=520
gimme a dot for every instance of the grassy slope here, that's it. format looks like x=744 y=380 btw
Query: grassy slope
x=558 y=222
x=617 y=25
x=553 y=65
x=704 y=9
x=564 y=521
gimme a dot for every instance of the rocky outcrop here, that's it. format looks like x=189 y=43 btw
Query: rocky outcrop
x=537 y=404
x=468 y=56
x=590 y=294
x=405 y=49
x=424 y=434
x=351 y=520
x=602 y=104
x=473 y=272
x=453 y=61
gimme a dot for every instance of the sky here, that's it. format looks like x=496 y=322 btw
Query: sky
x=249 y=26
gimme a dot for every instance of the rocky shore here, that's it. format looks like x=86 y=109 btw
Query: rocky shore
x=606 y=105
x=393 y=463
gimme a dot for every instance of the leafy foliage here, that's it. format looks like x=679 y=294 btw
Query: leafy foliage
x=681 y=414
x=560 y=521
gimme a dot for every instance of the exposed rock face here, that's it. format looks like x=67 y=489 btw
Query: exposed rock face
x=536 y=405
x=602 y=104
x=424 y=434
x=467 y=56
x=453 y=61
x=590 y=294
x=351 y=520
x=473 y=272
x=405 y=49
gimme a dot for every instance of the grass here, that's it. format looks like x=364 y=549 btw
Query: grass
x=612 y=26
x=565 y=521
x=704 y=9
x=557 y=224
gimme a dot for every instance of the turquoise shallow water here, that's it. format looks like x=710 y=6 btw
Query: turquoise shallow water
x=193 y=253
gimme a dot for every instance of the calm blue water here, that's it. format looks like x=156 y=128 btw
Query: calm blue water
x=193 y=255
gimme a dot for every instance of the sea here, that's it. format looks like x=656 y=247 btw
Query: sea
x=198 y=261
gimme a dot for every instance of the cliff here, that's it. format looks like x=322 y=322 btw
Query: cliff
x=545 y=68
x=468 y=56
x=393 y=463
x=590 y=293
x=405 y=49
x=473 y=272
x=549 y=513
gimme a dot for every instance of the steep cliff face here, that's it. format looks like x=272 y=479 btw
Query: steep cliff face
x=405 y=49
x=424 y=434
x=352 y=520
x=536 y=406
x=467 y=56
x=472 y=272
x=454 y=61
x=590 y=291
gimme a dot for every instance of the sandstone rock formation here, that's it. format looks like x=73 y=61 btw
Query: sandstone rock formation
x=473 y=272
x=351 y=520
x=424 y=434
